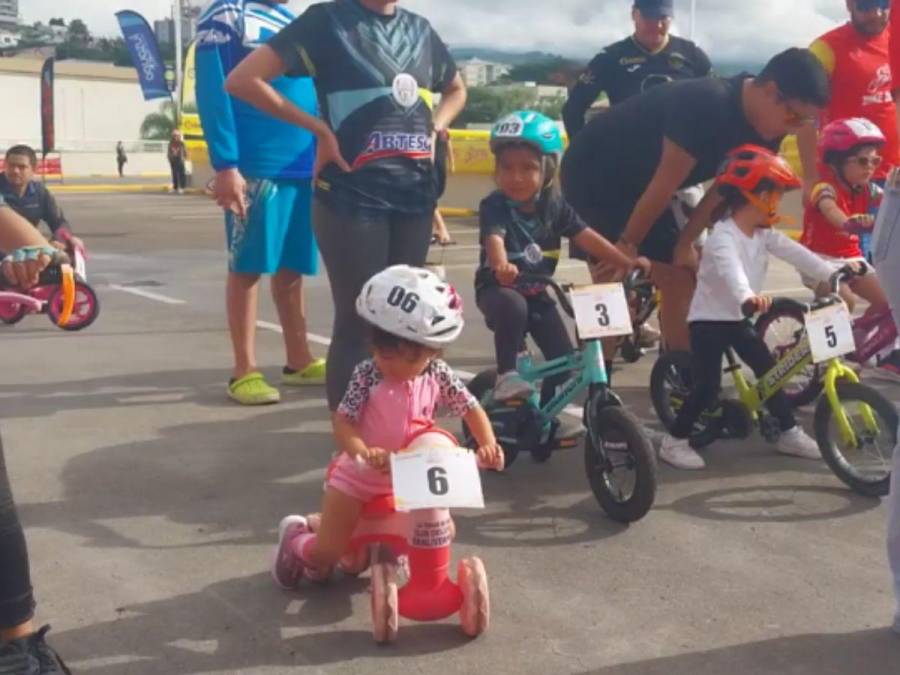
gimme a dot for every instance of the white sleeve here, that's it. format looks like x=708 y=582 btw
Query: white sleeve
x=804 y=260
x=723 y=251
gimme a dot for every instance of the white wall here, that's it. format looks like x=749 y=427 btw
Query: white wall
x=90 y=114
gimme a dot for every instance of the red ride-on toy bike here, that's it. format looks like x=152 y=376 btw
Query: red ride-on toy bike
x=408 y=554
x=47 y=297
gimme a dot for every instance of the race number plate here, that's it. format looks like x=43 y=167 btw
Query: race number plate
x=830 y=332
x=438 y=478
x=601 y=311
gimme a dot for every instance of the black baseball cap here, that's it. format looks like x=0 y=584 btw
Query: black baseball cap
x=655 y=9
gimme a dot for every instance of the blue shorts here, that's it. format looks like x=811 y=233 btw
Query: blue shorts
x=277 y=233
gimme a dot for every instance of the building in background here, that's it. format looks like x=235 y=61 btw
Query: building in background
x=9 y=13
x=478 y=73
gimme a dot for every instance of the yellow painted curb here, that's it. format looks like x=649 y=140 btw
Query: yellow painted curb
x=455 y=212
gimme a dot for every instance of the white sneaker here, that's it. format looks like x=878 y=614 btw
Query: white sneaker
x=679 y=453
x=511 y=385
x=797 y=443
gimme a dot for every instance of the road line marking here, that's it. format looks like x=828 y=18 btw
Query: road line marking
x=149 y=295
x=275 y=328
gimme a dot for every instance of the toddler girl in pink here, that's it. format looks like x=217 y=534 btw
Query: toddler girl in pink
x=412 y=314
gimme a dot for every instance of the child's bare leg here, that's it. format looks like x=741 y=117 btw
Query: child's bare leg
x=340 y=514
x=870 y=290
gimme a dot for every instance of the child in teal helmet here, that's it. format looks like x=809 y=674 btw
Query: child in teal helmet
x=522 y=224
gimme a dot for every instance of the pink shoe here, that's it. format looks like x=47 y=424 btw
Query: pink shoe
x=287 y=568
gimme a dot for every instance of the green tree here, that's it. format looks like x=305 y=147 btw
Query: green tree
x=78 y=33
x=159 y=126
x=57 y=22
x=486 y=104
x=547 y=71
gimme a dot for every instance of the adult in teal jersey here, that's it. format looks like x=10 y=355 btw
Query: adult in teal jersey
x=375 y=66
x=263 y=181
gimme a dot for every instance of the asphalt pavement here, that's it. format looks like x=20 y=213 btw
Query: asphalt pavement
x=151 y=503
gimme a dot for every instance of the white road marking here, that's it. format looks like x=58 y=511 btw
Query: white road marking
x=150 y=295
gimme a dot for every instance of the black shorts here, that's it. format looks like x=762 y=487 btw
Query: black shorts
x=609 y=216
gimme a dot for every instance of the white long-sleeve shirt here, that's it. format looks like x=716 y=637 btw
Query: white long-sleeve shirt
x=733 y=268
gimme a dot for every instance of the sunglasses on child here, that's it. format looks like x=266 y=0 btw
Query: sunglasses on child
x=872 y=162
x=869 y=5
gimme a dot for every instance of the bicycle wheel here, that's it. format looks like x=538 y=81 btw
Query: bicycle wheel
x=671 y=380
x=85 y=311
x=866 y=466
x=12 y=313
x=782 y=330
x=619 y=462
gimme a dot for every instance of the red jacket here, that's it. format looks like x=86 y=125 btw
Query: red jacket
x=861 y=83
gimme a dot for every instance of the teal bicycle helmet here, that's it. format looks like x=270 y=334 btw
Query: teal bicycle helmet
x=534 y=130
x=526 y=127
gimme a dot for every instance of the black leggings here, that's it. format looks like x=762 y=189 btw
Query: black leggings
x=709 y=340
x=179 y=176
x=16 y=600
x=510 y=315
x=355 y=245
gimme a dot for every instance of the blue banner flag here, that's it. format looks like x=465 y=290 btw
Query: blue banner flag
x=145 y=54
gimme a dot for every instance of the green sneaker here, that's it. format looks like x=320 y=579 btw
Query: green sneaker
x=252 y=389
x=314 y=373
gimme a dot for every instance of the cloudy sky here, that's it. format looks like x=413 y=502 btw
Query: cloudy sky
x=727 y=29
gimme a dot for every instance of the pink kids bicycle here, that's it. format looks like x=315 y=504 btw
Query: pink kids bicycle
x=408 y=555
x=49 y=295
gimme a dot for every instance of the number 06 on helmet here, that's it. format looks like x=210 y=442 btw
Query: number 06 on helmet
x=414 y=304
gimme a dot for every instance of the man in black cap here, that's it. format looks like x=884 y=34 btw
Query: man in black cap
x=649 y=57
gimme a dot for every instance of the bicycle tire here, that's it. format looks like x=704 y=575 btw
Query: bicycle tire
x=885 y=413
x=612 y=424
x=671 y=377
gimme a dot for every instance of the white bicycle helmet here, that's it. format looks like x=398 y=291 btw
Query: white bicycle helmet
x=414 y=304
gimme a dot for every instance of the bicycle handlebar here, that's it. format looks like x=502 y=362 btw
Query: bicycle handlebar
x=558 y=290
x=845 y=273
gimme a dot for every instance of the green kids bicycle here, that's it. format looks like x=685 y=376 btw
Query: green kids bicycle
x=855 y=425
x=619 y=461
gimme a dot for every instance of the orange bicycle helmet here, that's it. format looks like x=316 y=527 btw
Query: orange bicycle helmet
x=752 y=169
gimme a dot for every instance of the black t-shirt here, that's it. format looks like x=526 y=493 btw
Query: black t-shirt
x=625 y=69
x=611 y=162
x=373 y=74
x=532 y=240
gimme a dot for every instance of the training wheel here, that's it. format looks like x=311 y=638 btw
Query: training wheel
x=475 y=613
x=385 y=616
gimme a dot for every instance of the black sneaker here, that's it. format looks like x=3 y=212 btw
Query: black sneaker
x=31 y=656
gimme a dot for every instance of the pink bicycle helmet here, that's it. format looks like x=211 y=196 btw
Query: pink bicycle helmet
x=841 y=137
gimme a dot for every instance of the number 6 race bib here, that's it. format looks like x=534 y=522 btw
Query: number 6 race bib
x=439 y=478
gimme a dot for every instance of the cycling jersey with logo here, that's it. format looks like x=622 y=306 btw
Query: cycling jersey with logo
x=374 y=74
x=819 y=235
x=532 y=241
x=625 y=68
x=237 y=134
x=861 y=85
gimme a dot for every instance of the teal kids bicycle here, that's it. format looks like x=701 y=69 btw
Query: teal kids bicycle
x=619 y=461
